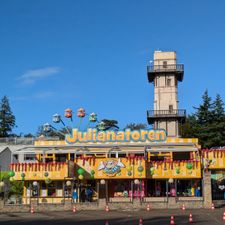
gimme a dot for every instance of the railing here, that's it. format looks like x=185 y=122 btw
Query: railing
x=37 y=171
x=174 y=169
x=24 y=141
x=165 y=68
x=213 y=158
x=166 y=113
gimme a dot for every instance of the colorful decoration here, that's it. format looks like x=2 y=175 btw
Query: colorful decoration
x=136 y=181
x=111 y=167
x=68 y=113
x=140 y=169
x=101 y=126
x=47 y=127
x=48 y=180
x=93 y=117
x=68 y=183
x=46 y=174
x=81 y=177
x=129 y=168
x=56 y=118
x=152 y=171
x=189 y=166
x=35 y=183
x=2 y=184
x=11 y=179
x=177 y=170
x=102 y=181
x=129 y=173
x=81 y=112
x=171 y=180
x=11 y=174
x=80 y=171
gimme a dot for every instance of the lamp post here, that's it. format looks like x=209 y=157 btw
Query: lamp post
x=36 y=189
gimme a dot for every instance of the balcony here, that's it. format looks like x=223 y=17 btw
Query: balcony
x=43 y=171
x=177 y=69
x=153 y=115
x=174 y=169
x=213 y=158
x=112 y=168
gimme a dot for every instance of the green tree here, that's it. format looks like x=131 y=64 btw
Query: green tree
x=16 y=188
x=107 y=124
x=207 y=123
x=217 y=127
x=190 y=128
x=204 y=111
x=218 y=108
x=7 y=119
x=135 y=126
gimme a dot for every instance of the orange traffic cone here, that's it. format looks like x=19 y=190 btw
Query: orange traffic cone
x=140 y=221
x=212 y=207
x=183 y=207
x=148 y=207
x=190 y=218
x=32 y=209
x=107 y=208
x=74 y=209
x=224 y=215
x=172 y=220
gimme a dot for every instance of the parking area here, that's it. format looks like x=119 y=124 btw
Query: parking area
x=122 y=217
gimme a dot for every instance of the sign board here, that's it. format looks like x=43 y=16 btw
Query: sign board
x=93 y=135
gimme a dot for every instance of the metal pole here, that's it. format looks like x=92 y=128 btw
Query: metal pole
x=106 y=190
x=167 y=190
x=97 y=191
x=132 y=190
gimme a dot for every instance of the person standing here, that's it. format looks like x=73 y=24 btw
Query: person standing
x=75 y=196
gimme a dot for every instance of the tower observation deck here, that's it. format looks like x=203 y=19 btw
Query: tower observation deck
x=164 y=73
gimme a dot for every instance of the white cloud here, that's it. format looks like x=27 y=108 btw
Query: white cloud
x=31 y=76
x=45 y=94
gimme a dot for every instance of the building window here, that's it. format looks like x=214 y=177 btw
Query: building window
x=181 y=156
x=175 y=82
x=168 y=82
x=122 y=155
x=60 y=157
x=186 y=188
x=155 y=82
x=112 y=155
x=164 y=64
x=72 y=157
x=30 y=157
x=171 y=108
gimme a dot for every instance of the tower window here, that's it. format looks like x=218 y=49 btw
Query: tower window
x=168 y=82
x=170 y=108
x=155 y=82
x=175 y=82
x=164 y=64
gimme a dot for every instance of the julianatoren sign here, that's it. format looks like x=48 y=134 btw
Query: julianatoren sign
x=92 y=135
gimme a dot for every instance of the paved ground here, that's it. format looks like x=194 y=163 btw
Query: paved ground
x=161 y=217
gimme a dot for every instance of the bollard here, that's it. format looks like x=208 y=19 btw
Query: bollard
x=190 y=218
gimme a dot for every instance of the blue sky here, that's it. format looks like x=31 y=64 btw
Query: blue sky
x=93 y=54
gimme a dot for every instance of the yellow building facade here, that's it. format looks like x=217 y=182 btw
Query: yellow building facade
x=116 y=171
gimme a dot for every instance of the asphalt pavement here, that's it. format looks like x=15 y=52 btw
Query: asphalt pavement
x=122 y=217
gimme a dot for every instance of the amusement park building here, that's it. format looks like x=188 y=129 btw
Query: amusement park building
x=156 y=166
